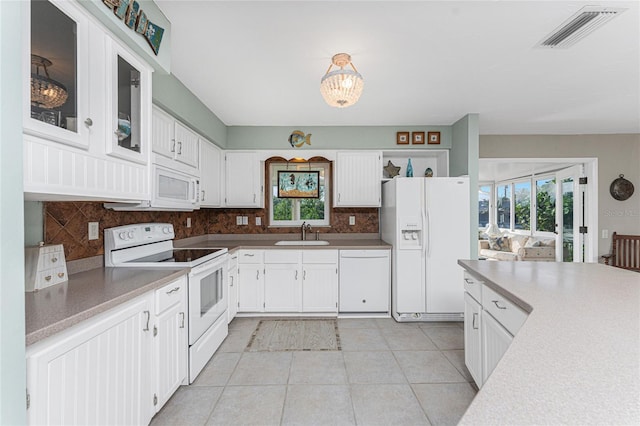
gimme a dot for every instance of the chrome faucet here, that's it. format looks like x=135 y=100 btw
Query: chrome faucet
x=303 y=230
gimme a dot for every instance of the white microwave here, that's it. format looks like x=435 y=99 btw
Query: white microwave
x=170 y=190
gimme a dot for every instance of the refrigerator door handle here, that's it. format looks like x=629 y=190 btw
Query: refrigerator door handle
x=424 y=233
x=428 y=234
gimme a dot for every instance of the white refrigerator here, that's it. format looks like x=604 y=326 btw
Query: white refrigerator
x=427 y=221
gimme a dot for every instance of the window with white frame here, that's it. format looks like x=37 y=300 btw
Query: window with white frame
x=484 y=205
x=284 y=211
x=503 y=206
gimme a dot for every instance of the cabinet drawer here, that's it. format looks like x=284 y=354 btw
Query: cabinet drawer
x=170 y=294
x=282 y=256
x=250 y=256
x=320 y=256
x=473 y=286
x=509 y=315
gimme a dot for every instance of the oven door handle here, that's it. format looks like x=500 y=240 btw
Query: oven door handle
x=218 y=263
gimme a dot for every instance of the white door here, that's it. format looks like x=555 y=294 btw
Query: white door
x=358 y=178
x=250 y=288
x=210 y=174
x=233 y=291
x=186 y=145
x=282 y=287
x=447 y=239
x=320 y=287
x=495 y=342
x=171 y=351
x=569 y=242
x=242 y=180
x=60 y=115
x=162 y=133
x=100 y=372
x=472 y=338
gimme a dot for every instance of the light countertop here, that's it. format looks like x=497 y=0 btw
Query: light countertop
x=267 y=241
x=576 y=359
x=86 y=294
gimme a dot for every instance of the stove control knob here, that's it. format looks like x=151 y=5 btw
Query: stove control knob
x=166 y=230
x=130 y=234
x=122 y=235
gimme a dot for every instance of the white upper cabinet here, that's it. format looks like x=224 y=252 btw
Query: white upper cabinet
x=243 y=180
x=128 y=113
x=87 y=108
x=56 y=90
x=210 y=174
x=174 y=145
x=357 y=179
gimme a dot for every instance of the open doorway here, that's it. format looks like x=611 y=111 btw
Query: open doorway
x=551 y=198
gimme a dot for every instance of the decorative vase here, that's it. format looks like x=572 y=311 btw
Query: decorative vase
x=409 y=169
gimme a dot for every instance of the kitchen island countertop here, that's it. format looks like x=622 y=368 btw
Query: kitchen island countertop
x=86 y=294
x=576 y=359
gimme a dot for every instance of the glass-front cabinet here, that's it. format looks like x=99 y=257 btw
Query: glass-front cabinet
x=86 y=88
x=57 y=41
x=129 y=113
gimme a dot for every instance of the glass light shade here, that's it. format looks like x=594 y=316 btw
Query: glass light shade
x=341 y=88
x=47 y=93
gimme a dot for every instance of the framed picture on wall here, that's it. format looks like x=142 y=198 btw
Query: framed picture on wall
x=417 y=138
x=433 y=138
x=402 y=138
x=297 y=184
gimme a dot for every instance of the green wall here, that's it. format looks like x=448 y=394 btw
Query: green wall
x=12 y=321
x=331 y=137
x=463 y=160
x=171 y=95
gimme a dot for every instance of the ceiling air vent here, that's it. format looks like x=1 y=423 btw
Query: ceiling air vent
x=577 y=27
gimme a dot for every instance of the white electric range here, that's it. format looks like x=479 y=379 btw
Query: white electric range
x=150 y=245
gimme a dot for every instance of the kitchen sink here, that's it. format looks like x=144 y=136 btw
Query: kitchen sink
x=302 y=243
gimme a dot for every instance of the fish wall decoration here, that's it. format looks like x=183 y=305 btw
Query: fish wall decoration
x=298 y=138
x=134 y=17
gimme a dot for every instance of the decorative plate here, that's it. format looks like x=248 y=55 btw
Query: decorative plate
x=621 y=189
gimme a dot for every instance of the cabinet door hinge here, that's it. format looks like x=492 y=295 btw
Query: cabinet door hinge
x=264 y=305
x=155 y=399
x=155 y=331
x=28 y=399
x=582 y=180
x=583 y=230
x=238 y=304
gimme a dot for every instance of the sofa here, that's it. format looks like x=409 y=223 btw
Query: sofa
x=517 y=247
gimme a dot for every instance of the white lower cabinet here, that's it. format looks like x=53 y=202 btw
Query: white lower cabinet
x=232 y=280
x=98 y=372
x=171 y=340
x=490 y=322
x=495 y=342
x=250 y=281
x=118 y=367
x=288 y=281
x=473 y=338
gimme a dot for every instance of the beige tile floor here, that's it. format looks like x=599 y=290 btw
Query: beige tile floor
x=386 y=373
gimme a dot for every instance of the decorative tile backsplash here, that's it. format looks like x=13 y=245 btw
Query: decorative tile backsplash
x=67 y=223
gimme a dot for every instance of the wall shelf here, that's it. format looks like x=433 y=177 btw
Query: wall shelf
x=437 y=159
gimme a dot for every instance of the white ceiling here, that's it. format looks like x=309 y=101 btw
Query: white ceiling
x=423 y=62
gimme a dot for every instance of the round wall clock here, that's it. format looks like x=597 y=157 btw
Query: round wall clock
x=621 y=189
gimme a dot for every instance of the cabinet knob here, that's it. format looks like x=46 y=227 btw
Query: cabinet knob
x=88 y=122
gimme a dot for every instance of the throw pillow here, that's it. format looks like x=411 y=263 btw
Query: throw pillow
x=499 y=243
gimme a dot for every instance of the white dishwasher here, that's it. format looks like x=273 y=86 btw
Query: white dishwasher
x=365 y=281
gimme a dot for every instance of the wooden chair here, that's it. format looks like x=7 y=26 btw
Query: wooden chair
x=625 y=252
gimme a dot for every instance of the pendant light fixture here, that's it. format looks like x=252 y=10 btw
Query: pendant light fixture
x=45 y=92
x=341 y=88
